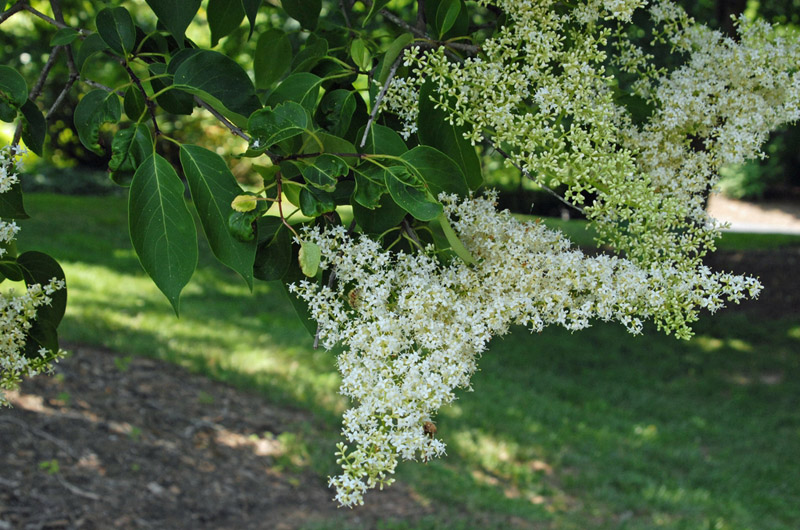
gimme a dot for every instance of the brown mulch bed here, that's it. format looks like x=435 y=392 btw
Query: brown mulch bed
x=148 y=445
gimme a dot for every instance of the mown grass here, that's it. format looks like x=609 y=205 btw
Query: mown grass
x=595 y=429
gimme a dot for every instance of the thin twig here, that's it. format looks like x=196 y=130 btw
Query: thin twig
x=278 y=178
x=37 y=88
x=233 y=128
x=421 y=22
x=76 y=490
x=344 y=13
x=379 y=99
x=44 y=17
x=411 y=234
x=151 y=106
x=16 y=8
x=62 y=95
x=41 y=434
x=101 y=86
x=528 y=175
x=55 y=5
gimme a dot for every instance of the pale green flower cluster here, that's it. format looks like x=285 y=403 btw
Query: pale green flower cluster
x=413 y=326
x=18 y=310
x=541 y=89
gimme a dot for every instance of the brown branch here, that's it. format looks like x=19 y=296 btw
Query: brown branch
x=151 y=106
x=421 y=22
x=225 y=121
x=529 y=176
x=51 y=21
x=37 y=88
x=297 y=156
x=16 y=8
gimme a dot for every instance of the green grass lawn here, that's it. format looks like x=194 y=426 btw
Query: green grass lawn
x=596 y=429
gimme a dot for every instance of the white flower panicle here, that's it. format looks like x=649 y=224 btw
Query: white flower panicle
x=552 y=106
x=18 y=310
x=413 y=327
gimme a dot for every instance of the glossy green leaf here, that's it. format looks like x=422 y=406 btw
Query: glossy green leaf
x=173 y=101
x=370 y=185
x=7 y=113
x=336 y=110
x=96 y=107
x=315 y=202
x=324 y=172
x=330 y=144
x=40 y=268
x=251 y=10
x=302 y=88
x=455 y=243
x=382 y=140
x=134 y=103
x=270 y=126
x=34 y=128
x=176 y=15
x=9 y=270
x=306 y=12
x=224 y=16
x=309 y=258
x=115 y=27
x=377 y=220
x=129 y=148
x=213 y=188
x=13 y=89
x=438 y=171
x=392 y=53
x=446 y=15
x=92 y=44
x=274 y=255
x=434 y=129
x=11 y=206
x=361 y=55
x=312 y=53
x=241 y=225
x=221 y=82
x=272 y=58
x=64 y=36
x=411 y=194
x=162 y=229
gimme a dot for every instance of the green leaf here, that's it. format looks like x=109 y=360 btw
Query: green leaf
x=370 y=185
x=41 y=268
x=383 y=140
x=273 y=57
x=213 y=188
x=336 y=111
x=330 y=144
x=241 y=225
x=270 y=126
x=434 y=129
x=274 y=255
x=134 y=103
x=224 y=16
x=7 y=113
x=361 y=55
x=221 y=82
x=92 y=44
x=436 y=170
x=312 y=53
x=306 y=12
x=129 y=148
x=173 y=101
x=411 y=194
x=13 y=89
x=309 y=258
x=10 y=270
x=96 y=107
x=162 y=229
x=293 y=275
x=251 y=9
x=115 y=26
x=455 y=243
x=392 y=53
x=446 y=15
x=375 y=8
x=34 y=127
x=315 y=202
x=64 y=36
x=11 y=206
x=377 y=220
x=302 y=88
x=176 y=15
x=325 y=171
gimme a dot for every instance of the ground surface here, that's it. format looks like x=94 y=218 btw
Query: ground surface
x=115 y=442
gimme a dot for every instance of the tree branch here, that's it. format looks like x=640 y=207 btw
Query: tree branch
x=37 y=88
x=380 y=97
x=44 y=17
x=151 y=106
x=225 y=121
x=16 y=8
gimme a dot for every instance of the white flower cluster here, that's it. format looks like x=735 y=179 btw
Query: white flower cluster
x=413 y=326
x=18 y=310
x=553 y=107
